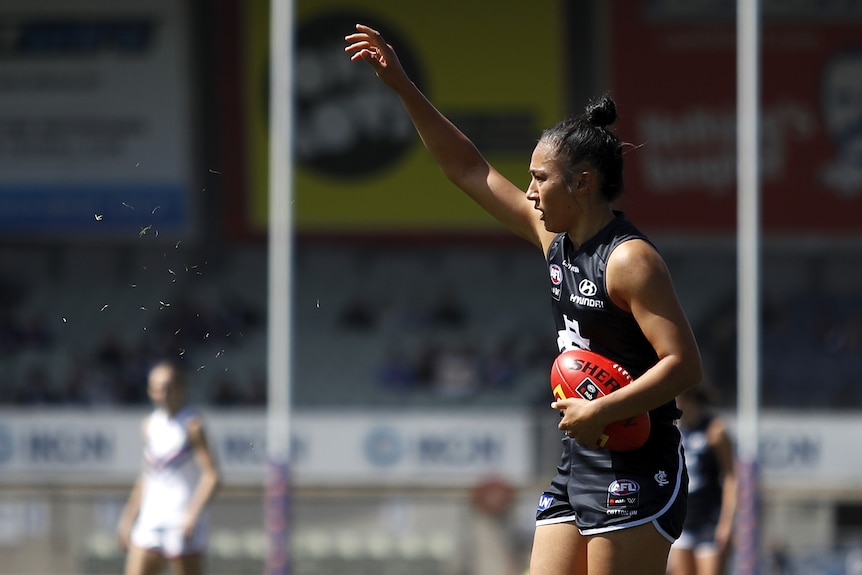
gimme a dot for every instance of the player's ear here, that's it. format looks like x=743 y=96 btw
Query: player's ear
x=582 y=181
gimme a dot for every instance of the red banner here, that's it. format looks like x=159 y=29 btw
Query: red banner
x=673 y=76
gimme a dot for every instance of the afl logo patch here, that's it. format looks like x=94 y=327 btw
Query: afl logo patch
x=556 y=274
x=623 y=498
x=587 y=288
x=623 y=487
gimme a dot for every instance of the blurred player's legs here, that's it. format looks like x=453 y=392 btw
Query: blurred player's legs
x=140 y=561
x=188 y=564
x=689 y=562
x=695 y=553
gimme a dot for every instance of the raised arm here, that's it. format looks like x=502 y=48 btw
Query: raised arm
x=459 y=159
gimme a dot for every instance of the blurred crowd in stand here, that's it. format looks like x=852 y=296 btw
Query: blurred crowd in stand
x=113 y=370
x=432 y=346
x=811 y=351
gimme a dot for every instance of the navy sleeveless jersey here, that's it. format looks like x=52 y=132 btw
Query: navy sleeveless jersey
x=705 y=492
x=583 y=312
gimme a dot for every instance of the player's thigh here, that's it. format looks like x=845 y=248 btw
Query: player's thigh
x=558 y=549
x=140 y=561
x=640 y=549
x=681 y=562
x=188 y=564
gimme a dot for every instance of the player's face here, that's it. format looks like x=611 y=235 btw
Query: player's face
x=163 y=389
x=548 y=189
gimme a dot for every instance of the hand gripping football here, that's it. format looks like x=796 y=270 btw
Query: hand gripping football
x=588 y=375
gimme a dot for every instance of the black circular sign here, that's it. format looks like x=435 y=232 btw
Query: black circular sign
x=347 y=122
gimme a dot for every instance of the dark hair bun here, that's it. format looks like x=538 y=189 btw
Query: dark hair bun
x=602 y=112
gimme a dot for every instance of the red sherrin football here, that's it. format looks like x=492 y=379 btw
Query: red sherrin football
x=588 y=375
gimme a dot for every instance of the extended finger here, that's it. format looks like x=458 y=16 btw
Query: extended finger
x=357 y=37
x=363 y=55
x=363 y=44
x=368 y=30
x=365 y=34
x=370 y=55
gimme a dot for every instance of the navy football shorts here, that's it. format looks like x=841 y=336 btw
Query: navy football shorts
x=601 y=491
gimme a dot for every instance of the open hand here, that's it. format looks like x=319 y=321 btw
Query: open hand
x=368 y=44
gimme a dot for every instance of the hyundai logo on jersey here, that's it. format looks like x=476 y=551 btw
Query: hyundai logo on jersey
x=587 y=288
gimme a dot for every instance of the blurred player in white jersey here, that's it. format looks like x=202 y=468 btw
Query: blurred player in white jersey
x=165 y=519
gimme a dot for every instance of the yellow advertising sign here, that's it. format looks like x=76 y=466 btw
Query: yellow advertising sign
x=497 y=72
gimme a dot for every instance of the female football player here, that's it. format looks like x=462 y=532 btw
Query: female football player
x=605 y=513
x=164 y=519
